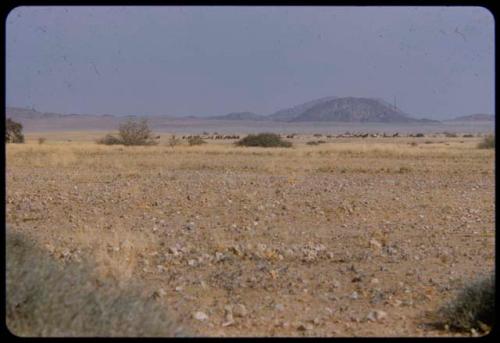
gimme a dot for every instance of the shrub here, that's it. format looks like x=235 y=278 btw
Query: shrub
x=419 y=135
x=468 y=135
x=13 y=132
x=109 y=140
x=315 y=142
x=450 y=134
x=264 y=140
x=487 y=143
x=45 y=298
x=196 y=140
x=473 y=307
x=41 y=140
x=173 y=141
x=136 y=133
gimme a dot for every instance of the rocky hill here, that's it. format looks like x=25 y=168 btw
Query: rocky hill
x=288 y=114
x=349 y=109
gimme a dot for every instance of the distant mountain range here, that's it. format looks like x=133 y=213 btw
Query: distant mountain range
x=475 y=117
x=327 y=109
x=240 y=116
x=334 y=109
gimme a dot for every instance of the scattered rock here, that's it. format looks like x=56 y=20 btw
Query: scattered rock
x=201 y=316
x=239 y=310
x=305 y=327
x=376 y=316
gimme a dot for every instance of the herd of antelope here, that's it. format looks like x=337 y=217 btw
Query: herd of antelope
x=291 y=136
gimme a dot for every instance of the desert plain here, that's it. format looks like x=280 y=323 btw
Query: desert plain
x=353 y=237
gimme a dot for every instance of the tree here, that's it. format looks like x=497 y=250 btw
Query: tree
x=136 y=133
x=13 y=132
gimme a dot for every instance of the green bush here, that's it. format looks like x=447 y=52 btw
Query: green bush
x=196 y=140
x=46 y=298
x=13 y=132
x=487 y=143
x=266 y=140
x=473 y=307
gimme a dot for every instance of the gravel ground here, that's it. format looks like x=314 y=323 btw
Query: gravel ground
x=310 y=241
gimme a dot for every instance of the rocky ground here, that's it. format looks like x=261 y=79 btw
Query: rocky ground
x=309 y=241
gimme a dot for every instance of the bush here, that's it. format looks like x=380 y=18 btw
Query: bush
x=264 y=140
x=196 y=140
x=419 y=135
x=13 y=132
x=173 y=141
x=315 y=142
x=473 y=307
x=136 y=133
x=468 y=135
x=41 y=140
x=109 y=140
x=487 y=143
x=450 y=134
x=45 y=298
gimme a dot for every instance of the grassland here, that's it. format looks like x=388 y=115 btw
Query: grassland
x=308 y=240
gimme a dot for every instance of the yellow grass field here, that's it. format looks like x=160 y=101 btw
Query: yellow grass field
x=301 y=241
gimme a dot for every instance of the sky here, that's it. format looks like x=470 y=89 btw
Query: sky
x=434 y=62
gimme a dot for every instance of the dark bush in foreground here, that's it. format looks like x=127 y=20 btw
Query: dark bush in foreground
x=266 y=140
x=45 y=298
x=487 y=143
x=13 y=132
x=196 y=140
x=473 y=307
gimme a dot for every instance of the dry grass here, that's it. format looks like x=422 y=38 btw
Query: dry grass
x=46 y=298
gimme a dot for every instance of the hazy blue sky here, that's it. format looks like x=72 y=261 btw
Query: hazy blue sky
x=437 y=61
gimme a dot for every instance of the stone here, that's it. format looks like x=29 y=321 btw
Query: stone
x=375 y=244
x=354 y=295
x=304 y=327
x=376 y=316
x=239 y=310
x=201 y=316
x=279 y=307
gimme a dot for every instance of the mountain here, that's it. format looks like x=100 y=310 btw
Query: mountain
x=239 y=116
x=475 y=117
x=33 y=120
x=288 y=114
x=347 y=109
